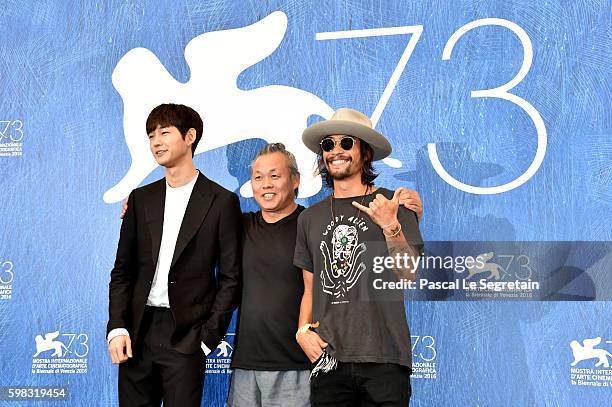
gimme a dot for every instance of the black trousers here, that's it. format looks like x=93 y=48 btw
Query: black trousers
x=362 y=384
x=158 y=372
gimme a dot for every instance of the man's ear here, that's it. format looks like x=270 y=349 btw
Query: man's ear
x=297 y=180
x=190 y=136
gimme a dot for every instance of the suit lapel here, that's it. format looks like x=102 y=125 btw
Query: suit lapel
x=154 y=214
x=197 y=208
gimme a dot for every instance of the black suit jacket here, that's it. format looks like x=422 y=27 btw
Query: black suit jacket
x=209 y=236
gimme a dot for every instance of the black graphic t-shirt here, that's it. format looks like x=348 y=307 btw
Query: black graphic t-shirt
x=271 y=295
x=359 y=322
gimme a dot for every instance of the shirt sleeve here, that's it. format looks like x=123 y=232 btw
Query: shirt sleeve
x=302 y=257
x=115 y=333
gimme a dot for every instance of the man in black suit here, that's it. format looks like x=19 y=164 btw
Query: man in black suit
x=167 y=309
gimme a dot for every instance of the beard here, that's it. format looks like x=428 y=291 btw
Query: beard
x=340 y=175
x=344 y=173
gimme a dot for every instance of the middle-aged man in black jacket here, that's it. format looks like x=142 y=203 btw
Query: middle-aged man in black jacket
x=167 y=308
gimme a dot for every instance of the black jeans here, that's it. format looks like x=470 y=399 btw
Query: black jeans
x=362 y=384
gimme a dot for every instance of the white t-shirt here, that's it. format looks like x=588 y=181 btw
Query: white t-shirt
x=174 y=211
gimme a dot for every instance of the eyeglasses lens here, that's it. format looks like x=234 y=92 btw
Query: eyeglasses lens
x=346 y=143
x=328 y=144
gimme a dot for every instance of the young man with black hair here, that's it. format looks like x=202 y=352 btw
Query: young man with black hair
x=167 y=309
x=357 y=335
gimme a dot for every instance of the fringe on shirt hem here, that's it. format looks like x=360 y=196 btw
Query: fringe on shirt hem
x=325 y=364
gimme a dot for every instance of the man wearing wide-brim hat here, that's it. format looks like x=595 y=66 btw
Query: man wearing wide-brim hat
x=355 y=248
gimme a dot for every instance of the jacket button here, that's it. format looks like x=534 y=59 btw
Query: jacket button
x=172 y=282
x=150 y=282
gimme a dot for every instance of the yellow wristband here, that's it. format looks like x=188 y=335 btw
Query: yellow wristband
x=304 y=328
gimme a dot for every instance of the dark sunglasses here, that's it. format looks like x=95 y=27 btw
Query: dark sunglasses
x=328 y=143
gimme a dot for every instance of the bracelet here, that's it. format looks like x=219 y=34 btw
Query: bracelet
x=390 y=224
x=305 y=328
x=394 y=234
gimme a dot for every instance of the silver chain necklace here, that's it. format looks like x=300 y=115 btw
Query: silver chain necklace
x=331 y=199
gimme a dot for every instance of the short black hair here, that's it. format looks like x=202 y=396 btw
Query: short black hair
x=368 y=174
x=180 y=116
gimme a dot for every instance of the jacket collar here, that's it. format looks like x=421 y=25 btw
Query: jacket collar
x=197 y=208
